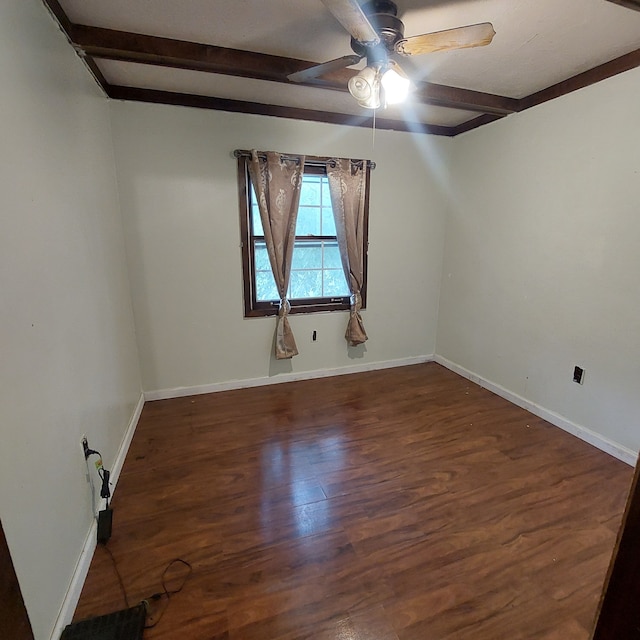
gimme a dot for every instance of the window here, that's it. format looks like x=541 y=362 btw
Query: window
x=317 y=281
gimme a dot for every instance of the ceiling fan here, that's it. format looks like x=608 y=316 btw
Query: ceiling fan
x=377 y=34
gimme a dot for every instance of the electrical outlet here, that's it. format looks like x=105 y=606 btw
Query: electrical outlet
x=578 y=375
x=85 y=446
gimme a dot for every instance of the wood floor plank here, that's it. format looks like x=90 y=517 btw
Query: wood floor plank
x=399 y=504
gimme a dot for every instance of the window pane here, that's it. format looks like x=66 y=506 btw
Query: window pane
x=310 y=192
x=265 y=284
x=266 y=287
x=255 y=215
x=334 y=283
x=332 y=258
x=306 y=284
x=257 y=222
x=326 y=195
x=307 y=255
x=262 y=257
x=308 y=222
x=328 y=222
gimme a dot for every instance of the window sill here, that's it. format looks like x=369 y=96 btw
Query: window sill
x=272 y=310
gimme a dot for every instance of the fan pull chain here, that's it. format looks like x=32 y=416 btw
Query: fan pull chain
x=373 y=131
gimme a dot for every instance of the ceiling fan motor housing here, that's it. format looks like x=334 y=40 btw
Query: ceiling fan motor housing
x=383 y=17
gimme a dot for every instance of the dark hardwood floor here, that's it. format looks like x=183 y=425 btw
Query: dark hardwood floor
x=401 y=504
x=14 y=620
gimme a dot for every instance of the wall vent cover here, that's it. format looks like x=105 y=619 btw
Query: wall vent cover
x=127 y=624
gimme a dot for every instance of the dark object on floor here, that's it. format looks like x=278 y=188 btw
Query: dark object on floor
x=127 y=624
x=105 y=523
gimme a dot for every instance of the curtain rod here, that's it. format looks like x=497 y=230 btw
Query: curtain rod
x=313 y=161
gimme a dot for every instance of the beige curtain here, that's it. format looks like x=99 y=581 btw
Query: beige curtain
x=347 y=185
x=277 y=181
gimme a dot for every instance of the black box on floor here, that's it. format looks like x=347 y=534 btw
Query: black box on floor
x=127 y=624
x=105 y=522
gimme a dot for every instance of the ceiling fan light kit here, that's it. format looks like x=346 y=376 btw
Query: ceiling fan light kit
x=377 y=35
x=389 y=80
x=395 y=84
x=365 y=87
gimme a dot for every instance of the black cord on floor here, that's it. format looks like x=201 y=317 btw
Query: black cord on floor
x=117 y=572
x=165 y=593
x=168 y=592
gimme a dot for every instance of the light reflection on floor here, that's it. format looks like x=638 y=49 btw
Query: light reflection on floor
x=296 y=464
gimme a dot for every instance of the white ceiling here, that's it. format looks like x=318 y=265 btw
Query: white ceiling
x=538 y=43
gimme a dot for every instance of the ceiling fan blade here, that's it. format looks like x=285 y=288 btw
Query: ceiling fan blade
x=351 y=16
x=410 y=68
x=319 y=69
x=473 y=35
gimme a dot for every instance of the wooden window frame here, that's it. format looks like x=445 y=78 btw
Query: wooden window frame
x=314 y=165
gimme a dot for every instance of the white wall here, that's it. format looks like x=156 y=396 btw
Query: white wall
x=540 y=269
x=68 y=360
x=179 y=196
x=542 y=257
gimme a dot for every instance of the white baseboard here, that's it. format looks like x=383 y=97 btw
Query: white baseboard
x=179 y=392
x=597 y=440
x=84 y=561
x=77 y=582
x=116 y=467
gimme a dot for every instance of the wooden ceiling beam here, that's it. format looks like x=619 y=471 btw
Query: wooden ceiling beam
x=118 y=92
x=629 y=4
x=453 y=97
x=475 y=123
x=59 y=15
x=167 y=52
x=609 y=69
x=124 y=46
